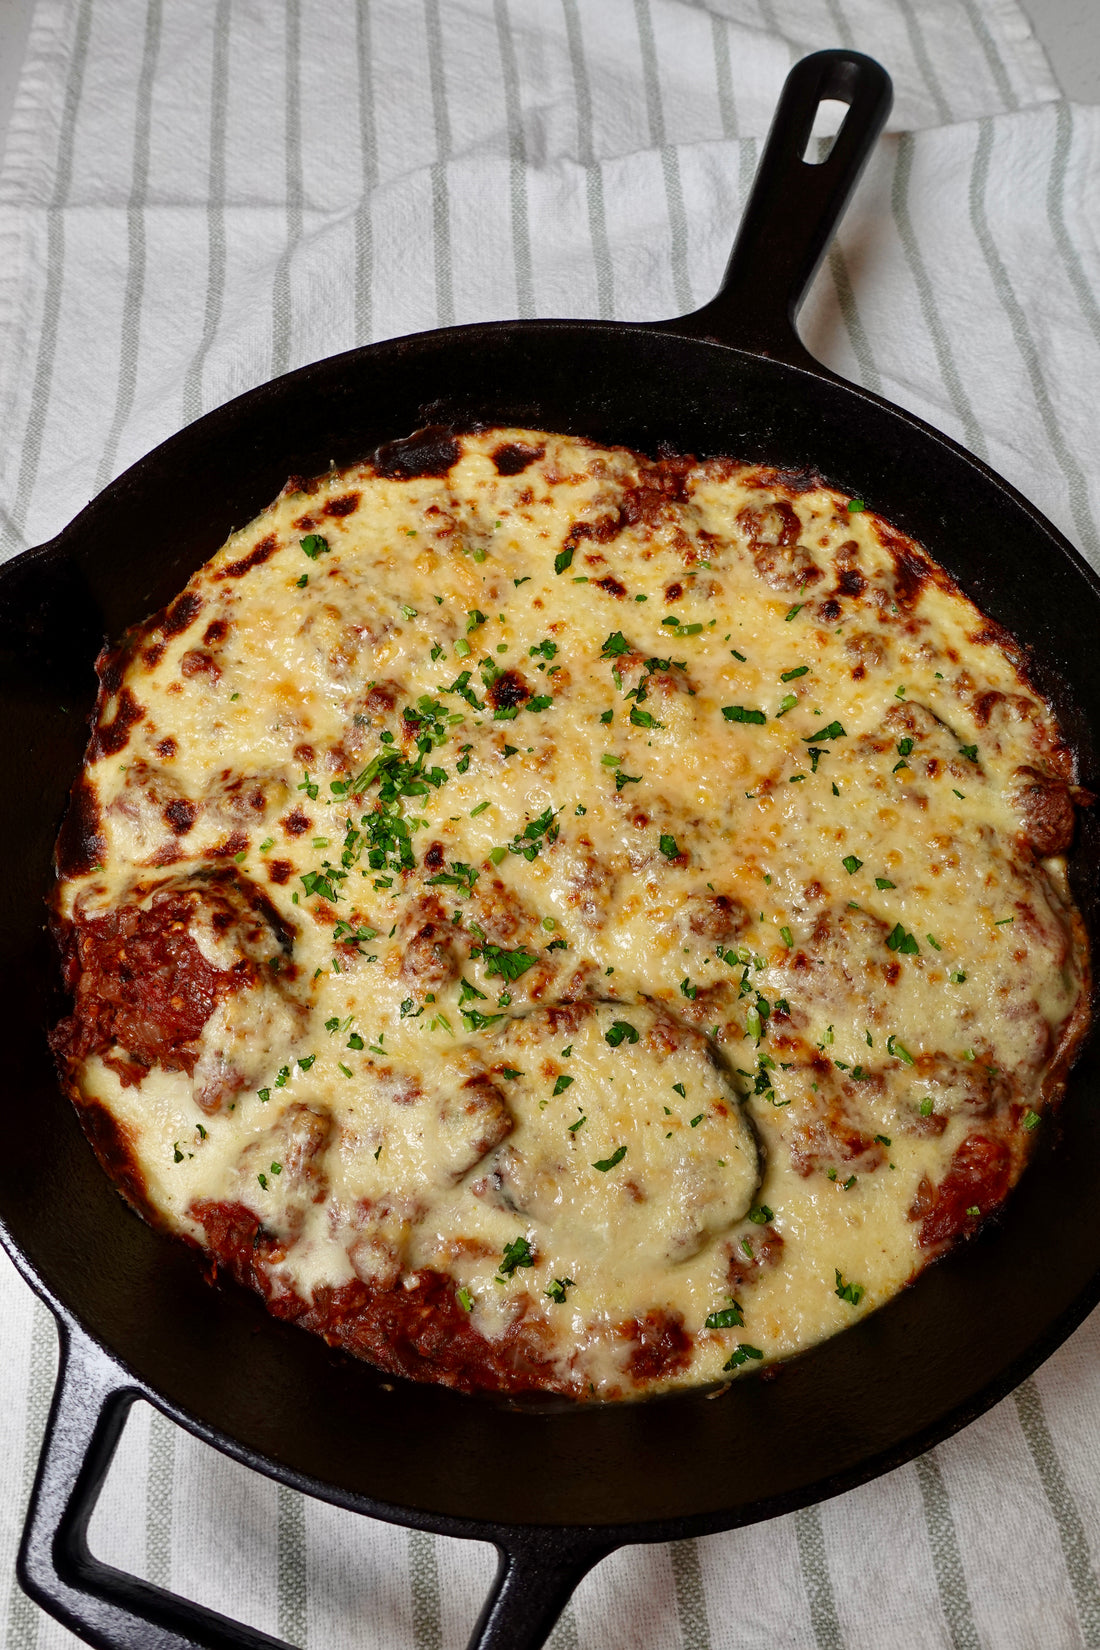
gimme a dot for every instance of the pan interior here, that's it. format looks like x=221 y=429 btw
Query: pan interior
x=971 y=1326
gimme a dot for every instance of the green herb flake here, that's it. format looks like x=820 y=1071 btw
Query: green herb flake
x=899 y=1051
x=314 y=545
x=727 y=1317
x=688 y=989
x=465 y=1299
x=884 y=882
x=853 y=1293
x=793 y=612
x=606 y=1163
x=833 y=730
x=898 y=939
x=785 y=936
x=517 y=1253
x=620 y=1031
x=856 y=506
x=563 y=559
x=790 y=675
x=615 y=645
x=788 y=702
x=760 y=1215
x=743 y=713
x=851 y=864
x=742 y=1355
x=1030 y=1121
x=562 y=1083
x=556 y=1291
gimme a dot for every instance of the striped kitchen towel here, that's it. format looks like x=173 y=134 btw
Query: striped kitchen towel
x=198 y=195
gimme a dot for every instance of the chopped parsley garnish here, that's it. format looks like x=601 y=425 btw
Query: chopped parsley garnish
x=459 y=876
x=688 y=989
x=727 y=1317
x=620 y=1031
x=788 y=702
x=573 y=1127
x=899 y=1051
x=760 y=1215
x=790 y=675
x=465 y=1299
x=643 y=718
x=474 y=1020
x=668 y=847
x=606 y=1163
x=856 y=506
x=743 y=713
x=516 y=1253
x=615 y=645
x=969 y=751
x=537 y=834
x=898 y=939
x=622 y=779
x=556 y=1291
x=695 y=1122
x=508 y=964
x=851 y=864
x=741 y=1355
x=562 y=1083
x=853 y=1293
x=793 y=612
x=786 y=937
x=884 y=882
x=832 y=731
x=314 y=545
x=1031 y=1120
x=563 y=559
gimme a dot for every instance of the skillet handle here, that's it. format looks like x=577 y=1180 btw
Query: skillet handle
x=794 y=207
x=103 y=1605
x=537 y=1574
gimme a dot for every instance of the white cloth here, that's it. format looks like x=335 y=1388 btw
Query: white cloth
x=196 y=196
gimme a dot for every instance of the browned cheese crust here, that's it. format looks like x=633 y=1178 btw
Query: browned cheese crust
x=552 y=920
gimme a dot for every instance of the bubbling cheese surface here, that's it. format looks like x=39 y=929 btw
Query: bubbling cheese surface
x=549 y=919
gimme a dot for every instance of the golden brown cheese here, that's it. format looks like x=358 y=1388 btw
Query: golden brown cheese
x=550 y=919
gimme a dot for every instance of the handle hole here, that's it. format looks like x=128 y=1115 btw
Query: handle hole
x=828 y=120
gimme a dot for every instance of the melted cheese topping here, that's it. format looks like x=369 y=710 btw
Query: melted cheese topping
x=653 y=925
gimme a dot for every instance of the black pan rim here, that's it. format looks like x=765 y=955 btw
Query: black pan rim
x=679 y=329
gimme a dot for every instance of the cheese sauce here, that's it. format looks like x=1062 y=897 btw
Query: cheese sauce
x=551 y=919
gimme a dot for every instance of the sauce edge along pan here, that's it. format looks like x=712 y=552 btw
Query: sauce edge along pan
x=555 y=1487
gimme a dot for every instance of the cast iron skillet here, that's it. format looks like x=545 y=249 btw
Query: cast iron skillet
x=555 y=1489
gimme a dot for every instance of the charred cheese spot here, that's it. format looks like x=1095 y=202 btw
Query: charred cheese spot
x=525 y=986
